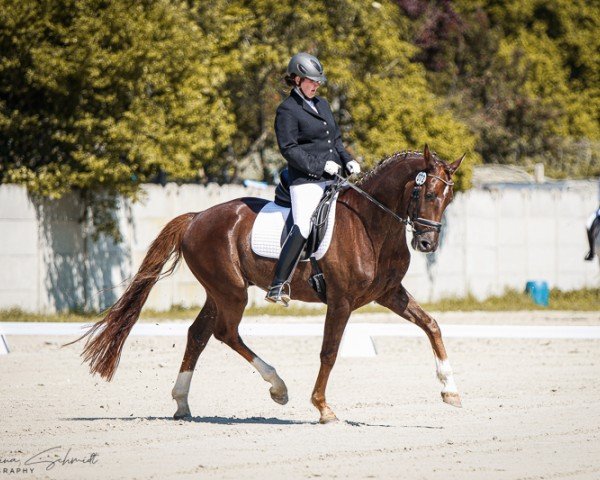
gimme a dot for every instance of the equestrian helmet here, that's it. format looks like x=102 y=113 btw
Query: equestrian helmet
x=306 y=65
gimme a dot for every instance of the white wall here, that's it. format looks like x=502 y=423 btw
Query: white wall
x=503 y=236
x=492 y=239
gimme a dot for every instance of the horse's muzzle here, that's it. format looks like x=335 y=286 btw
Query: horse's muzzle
x=425 y=242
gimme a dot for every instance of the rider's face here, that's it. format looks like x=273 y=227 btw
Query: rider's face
x=309 y=87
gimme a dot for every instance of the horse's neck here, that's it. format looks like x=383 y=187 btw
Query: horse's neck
x=388 y=185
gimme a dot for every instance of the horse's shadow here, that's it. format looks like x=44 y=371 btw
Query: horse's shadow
x=213 y=420
x=242 y=421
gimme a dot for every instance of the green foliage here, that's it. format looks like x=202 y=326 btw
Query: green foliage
x=525 y=77
x=390 y=105
x=381 y=97
x=99 y=96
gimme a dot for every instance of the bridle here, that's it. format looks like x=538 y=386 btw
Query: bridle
x=415 y=199
x=413 y=219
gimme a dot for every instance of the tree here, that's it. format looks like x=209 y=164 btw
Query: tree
x=381 y=98
x=523 y=75
x=97 y=97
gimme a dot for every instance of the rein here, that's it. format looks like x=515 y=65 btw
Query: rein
x=416 y=220
x=344 y=181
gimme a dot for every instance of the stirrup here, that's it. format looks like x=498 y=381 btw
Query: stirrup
x=276 y=294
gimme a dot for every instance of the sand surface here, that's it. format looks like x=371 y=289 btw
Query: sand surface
x=531 y=410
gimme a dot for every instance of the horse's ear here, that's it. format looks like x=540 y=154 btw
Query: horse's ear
x=453 y=167
x=428 y=157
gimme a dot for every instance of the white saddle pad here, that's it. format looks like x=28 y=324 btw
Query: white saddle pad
x=266 y=232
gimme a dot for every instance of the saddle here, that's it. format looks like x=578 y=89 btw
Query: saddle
x=275 y=220
x=319 y=219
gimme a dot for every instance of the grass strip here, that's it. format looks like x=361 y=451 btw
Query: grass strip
x=587 y=299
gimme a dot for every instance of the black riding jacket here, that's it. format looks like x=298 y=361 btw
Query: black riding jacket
x=308 y=139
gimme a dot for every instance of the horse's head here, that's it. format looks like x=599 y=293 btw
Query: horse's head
x=430 y=193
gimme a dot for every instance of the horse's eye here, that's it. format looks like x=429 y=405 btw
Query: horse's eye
x=430 y=196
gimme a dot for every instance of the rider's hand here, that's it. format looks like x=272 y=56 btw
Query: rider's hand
x=353 y=167
x=331 y=167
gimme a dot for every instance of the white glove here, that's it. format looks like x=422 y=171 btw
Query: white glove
x=331 y=167
x=353 y=167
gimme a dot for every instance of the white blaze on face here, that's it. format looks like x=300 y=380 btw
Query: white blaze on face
x=445 y=375
x=446 y=189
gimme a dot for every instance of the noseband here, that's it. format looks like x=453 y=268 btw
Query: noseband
x=412 y=219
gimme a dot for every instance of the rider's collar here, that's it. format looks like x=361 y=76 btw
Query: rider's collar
x=310 y=101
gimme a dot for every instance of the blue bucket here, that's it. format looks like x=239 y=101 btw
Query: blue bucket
x=539 y=292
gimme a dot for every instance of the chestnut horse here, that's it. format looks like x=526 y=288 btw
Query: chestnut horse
x=366 y=261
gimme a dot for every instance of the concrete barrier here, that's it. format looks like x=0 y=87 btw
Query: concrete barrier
x=493 y=238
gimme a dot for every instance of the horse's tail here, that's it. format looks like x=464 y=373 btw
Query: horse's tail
x=107 y=337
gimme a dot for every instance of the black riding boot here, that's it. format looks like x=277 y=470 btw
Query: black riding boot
x=288 y=259
x=590 y=234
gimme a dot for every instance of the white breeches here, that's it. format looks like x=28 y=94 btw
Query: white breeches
x=305 y=198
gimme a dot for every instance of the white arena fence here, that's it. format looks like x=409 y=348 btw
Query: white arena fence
x=493 y=238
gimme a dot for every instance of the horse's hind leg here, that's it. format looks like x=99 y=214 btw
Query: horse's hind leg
x=402 y=303
x=230 y=311
x=199 y=334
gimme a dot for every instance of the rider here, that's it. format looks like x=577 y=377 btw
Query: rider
x=310 y=141
x=592 y=227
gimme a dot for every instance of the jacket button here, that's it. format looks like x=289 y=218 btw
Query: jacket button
x=328 y=141
x=327 y=132
x=330 y=150
x=324 y=123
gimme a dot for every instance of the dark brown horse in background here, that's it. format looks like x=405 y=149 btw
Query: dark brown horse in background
x=366 y=261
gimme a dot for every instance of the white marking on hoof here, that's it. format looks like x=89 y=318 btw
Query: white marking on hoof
x=452 y=399
x=278 y=389
x=180 y=394
x=327 y=416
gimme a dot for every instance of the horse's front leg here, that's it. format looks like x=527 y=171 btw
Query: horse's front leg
x=402 y=303
x=335 y=323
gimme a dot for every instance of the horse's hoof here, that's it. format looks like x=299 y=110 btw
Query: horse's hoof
x=281 y=399
x=452 y=399
x=329 y=418
x=182 y=415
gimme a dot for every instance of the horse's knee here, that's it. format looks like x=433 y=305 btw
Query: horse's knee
x=433 y=327
x=429 y=325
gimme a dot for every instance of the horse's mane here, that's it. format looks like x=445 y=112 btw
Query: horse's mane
x=383 y=164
